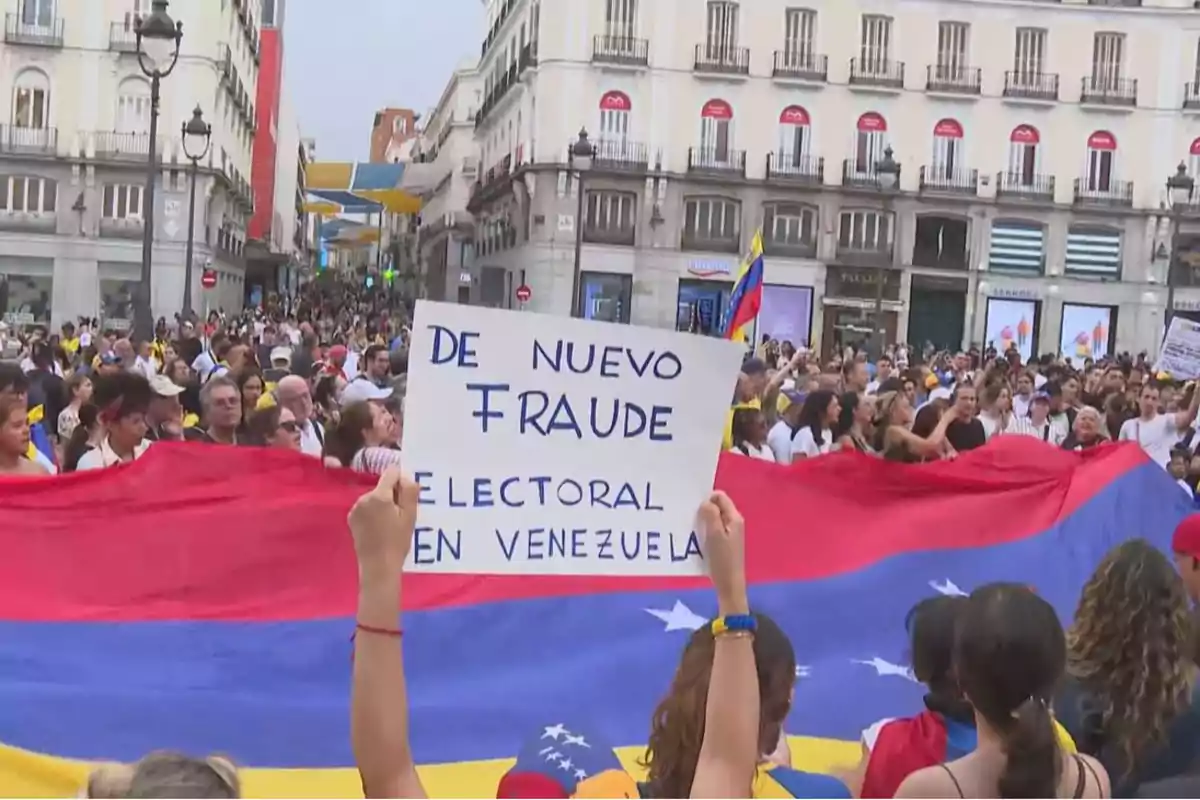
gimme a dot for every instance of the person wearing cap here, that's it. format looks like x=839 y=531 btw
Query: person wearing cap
x=361 y=390
x=1037 y=422
x=1157 y=433
x=754 y=385
x=281 y=363
x=779 y=438
x=164 y=416
x=1185 y=543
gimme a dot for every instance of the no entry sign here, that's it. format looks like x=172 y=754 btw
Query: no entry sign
x=208 y=279
x=524 y=293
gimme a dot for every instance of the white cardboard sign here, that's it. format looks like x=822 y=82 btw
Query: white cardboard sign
x=1180 y=353
x=559 y=446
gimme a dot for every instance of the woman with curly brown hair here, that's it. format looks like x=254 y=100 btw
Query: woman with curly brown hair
x=1129 y=696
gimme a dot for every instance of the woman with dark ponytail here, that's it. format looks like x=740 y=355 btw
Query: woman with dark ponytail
x=1009 y=657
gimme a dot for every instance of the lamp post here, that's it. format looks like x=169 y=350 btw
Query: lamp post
x=158 y=38
x=887 y=171
x=581 y=155
x=1179 y=192
x=197 y=138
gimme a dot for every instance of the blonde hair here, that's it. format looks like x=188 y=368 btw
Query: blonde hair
x=168 y=774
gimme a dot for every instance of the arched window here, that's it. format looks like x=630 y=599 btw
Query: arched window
x=614 y=116
x=869 y=142
x=947 y=149
x=1023 y=155
x=716 y=131
x=1101 y=156
x=794 y=138
x=133 y=106
x=1194 y=157
x=31 y=100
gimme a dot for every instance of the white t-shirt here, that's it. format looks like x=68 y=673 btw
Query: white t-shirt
x=779 y=439
x=1021 y=405
x=804 y=445
x=1156 y=436
x=762 y=453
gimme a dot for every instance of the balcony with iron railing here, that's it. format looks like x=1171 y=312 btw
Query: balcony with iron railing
x=620 y=51
x=947 y=79
x=1026 y=85
x=122 y=146
x=1018 y=186
x=939 y=179
x=880 y=73
x=1103 y=193
x=528 y=57
x=718 y=59
x=1103 y=90
x=861 y=251
x=1191 y=96
x=29 y=221
x=801 y=65
x=122 y=38
x=43 y=32
x=717 y=161
x=802 y=246
x=620 y=155
x=31 y=141
x=616 y=233
x=795 y=169
x=858 y=175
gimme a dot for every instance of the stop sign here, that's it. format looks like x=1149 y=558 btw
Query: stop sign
x=524 y=293
x=208 y=279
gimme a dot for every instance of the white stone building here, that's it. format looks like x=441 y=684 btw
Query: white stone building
x=74 y=145
x=1035 y=140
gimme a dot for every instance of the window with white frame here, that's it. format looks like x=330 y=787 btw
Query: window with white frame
x=27 y=195
x=136 y=9
x=37 y=13
x=614 y=117
x=620 y=19
x=1101 y=158
x=133 y=107
x=876 y=43
x=947 y=149
x=122 y=201
x=790 y=224
x=869 y=142
x=794 y=137
x=1024 y=155
x=716 y=132
x=712 y=219
x=1108 y=58
x=864 y=230
x=722 y=33
x=799 y=37
x=1029 y=54
x=610 y=212
x=31 y=108
x=952 y=57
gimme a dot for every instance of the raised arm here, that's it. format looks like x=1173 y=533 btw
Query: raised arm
x=729 y=751
x=382 y=522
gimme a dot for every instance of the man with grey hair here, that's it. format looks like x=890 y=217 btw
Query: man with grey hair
x=292 y=393
x=221 y=412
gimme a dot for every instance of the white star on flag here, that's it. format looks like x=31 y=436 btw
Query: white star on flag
x=948 y=588
x=555 y=756
x=567 y=765
x=579 y=741
x=580 y=774
x=679 y=618
x=884 y=668
x=554 y=731
x=803 y=671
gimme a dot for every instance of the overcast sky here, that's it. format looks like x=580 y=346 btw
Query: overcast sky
x=341 y=67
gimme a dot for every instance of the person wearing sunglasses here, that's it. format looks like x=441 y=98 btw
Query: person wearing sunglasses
x=274 y=426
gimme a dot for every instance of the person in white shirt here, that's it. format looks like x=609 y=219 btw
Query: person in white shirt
x=1023 y=396
x=779 y=438
x=292 y=393
x=883 y=371
x=749 y=434
x=123 y=398
x=1158 y=433
x=995 y=416
x=1037 y=424
x=814 y=433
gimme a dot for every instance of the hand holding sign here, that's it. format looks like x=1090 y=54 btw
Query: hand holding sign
x=560 y=446
x=382 y=523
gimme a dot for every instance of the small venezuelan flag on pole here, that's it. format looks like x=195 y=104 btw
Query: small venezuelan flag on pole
x=746 y=298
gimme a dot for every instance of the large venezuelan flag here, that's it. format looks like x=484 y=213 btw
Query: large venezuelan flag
x=745 y=300
x=202 y=599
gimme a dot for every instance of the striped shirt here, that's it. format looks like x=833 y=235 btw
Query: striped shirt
x=1047 y=431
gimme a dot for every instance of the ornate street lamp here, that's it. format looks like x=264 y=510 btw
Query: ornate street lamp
x=887 y=172
x=1179 y=192
x=581 y=154
x=197 y=138
x=158 y=38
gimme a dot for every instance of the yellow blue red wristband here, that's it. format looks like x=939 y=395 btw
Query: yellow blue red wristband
x=734 y=623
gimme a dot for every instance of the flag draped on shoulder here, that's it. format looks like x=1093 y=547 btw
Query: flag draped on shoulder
x=746 y=298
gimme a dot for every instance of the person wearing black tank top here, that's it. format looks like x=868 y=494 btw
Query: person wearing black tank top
x=1010 y=653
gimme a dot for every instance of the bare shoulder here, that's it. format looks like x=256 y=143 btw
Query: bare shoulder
x=1098 y=774
x=928 y=782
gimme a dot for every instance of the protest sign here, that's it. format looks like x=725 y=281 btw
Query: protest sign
x=1180 y=352
x=559 y=446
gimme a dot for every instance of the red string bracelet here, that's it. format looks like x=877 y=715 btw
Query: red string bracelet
x=393 y=632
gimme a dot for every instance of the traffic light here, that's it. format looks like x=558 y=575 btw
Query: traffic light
x=389 y=275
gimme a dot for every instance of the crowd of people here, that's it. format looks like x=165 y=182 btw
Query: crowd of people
x=1017 y=705
x=914 y=408
x=325 y=376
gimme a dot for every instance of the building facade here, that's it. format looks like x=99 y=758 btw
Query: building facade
x=392 y=134
x=268 y=91
x=74 y=150
x=446 y=232
x=1034 y=141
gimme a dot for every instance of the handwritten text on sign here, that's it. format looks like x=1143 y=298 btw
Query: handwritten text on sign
x=1180 y=353
x=560 y=446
